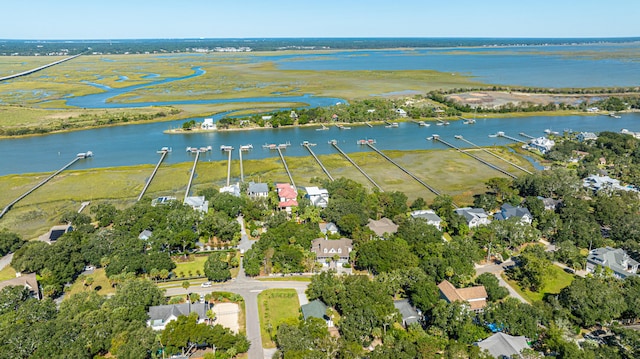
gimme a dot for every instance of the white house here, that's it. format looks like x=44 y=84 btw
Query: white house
x=198 y=203
x=208 y=124
x=586 y=136
x=319 y=197
x=542 y=144
x=507 y=211
x=615 y=259
x=326 y=249
x=233 y=189
x=428 y=215
x=258 y=190
x=474 y=216
x=401 y=112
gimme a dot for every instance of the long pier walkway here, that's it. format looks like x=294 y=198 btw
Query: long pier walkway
x=286 y=168
x=501 y=134
x=193 y=173
x=437 y=138
x=28 y=72
x=8 y=207
x=229 y=168
x=335 y=145
x=318 y=160
x=526 y=136
x=241 y=167
x=493 y=154
x=436 y=192
x=153 y=174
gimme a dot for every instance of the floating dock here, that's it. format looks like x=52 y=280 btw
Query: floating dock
x=193 y=173
x=153 y=174
x=437 y=138
x=286 y=168
x=493 y=154
x=436 y=192
x=79 y=157
x=307 y=146
x=335 y=145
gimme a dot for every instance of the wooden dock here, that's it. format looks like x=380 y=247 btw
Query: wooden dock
x=430 y=188
x=8 y=207
x=241 y=167
x=502 y=134
x=493 y=154
x=229 y=168
x=193 y=173
x=526 y=136
x=286 y=168
x=153 y=174
x=319 y=162
x=335 y=145
x=437 y=138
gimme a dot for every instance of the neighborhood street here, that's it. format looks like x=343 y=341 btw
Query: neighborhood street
x=249 y=289
x=496 y=270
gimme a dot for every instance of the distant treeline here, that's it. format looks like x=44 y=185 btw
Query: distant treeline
x=139 y=46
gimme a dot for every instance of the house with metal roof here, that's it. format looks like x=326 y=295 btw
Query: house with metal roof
x=318 y=197
x=160 y=315
x=316 y=309
x=258 y=190
x=615 y=259
x=428 y=215
x=474 y=216
x=409 y=314
x=501 y=345
x=508 y=211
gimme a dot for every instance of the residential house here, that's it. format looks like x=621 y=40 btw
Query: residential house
x=233 y=189
x=160 y=315
x=615 y=259
x=198 y=203
x=162 y=200
x=624 y=131
x=28 y=281
x=550 y=204
x=474 y=297
x=599 y=183
x=428 y=215
x=258 y=190
x=501 y=345
x=208 y=124
x=382 y=227
x=145 y=235
x=316 y=309
x=508 y=211
x=328 y=228
x=474 y=216
x=409 y=314
x=327 y=249
x=56 y=232
x=586 y=136
x=401 y=112
x=288 y=196
x=542 y=144
x=319 y=197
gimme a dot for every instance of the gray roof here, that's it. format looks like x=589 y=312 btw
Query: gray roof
x=258 y=188
x=504 y=345
x=409 y=314
x=315 y=309
x=471 y=213
x=508 y=211
x=161 y=313
x=146 y=234
x=427 y=214
x=616 y=259
x=327 y=248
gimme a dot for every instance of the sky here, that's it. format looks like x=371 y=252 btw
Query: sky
x=139 y=19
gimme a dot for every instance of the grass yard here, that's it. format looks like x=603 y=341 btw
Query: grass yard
x=276 y=306
x=286 y=279
x=100 y=281
x=194 y=264
x=7 y=273
x=553 y=284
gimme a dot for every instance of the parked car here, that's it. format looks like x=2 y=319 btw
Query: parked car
x=206 y=285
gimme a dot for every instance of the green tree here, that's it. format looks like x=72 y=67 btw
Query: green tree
x=492 y=286
x=216 y=267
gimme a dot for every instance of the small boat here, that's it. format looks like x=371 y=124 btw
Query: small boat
x=439 y=123
x=284 y=145
x=392 y=125
x=307 y=143
x=345 y=128
x=246 y=147
x=612 y=114
x=226 y=148
x=192 y=149
x=323 y=128
x=208 y=148
x=271 y=146
x=424 y=124
x=549 y=132
x=333 y=142
x=459 y=137
x=164 y=149
x=85 y=154
x=366 y=141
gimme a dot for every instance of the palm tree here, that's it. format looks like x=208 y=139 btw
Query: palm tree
x=211 y=315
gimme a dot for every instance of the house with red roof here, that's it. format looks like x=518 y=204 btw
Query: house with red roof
x=287 y=195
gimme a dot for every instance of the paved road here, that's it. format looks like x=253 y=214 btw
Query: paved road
x=245 y=243
x=6 y=260
x=249 y=289
x=496 y=270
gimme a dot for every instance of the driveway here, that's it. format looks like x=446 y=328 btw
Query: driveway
x=6 y=260
x=496 y=270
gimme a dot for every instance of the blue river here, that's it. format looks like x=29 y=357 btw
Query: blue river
x=546 y=66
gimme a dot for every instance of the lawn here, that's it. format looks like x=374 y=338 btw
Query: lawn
x=286 y=279
x=7 y=273
x=100 y=282
x=194 y=264
x=553 y=284
x=276 y=306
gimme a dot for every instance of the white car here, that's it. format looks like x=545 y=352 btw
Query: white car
x=206 y=285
